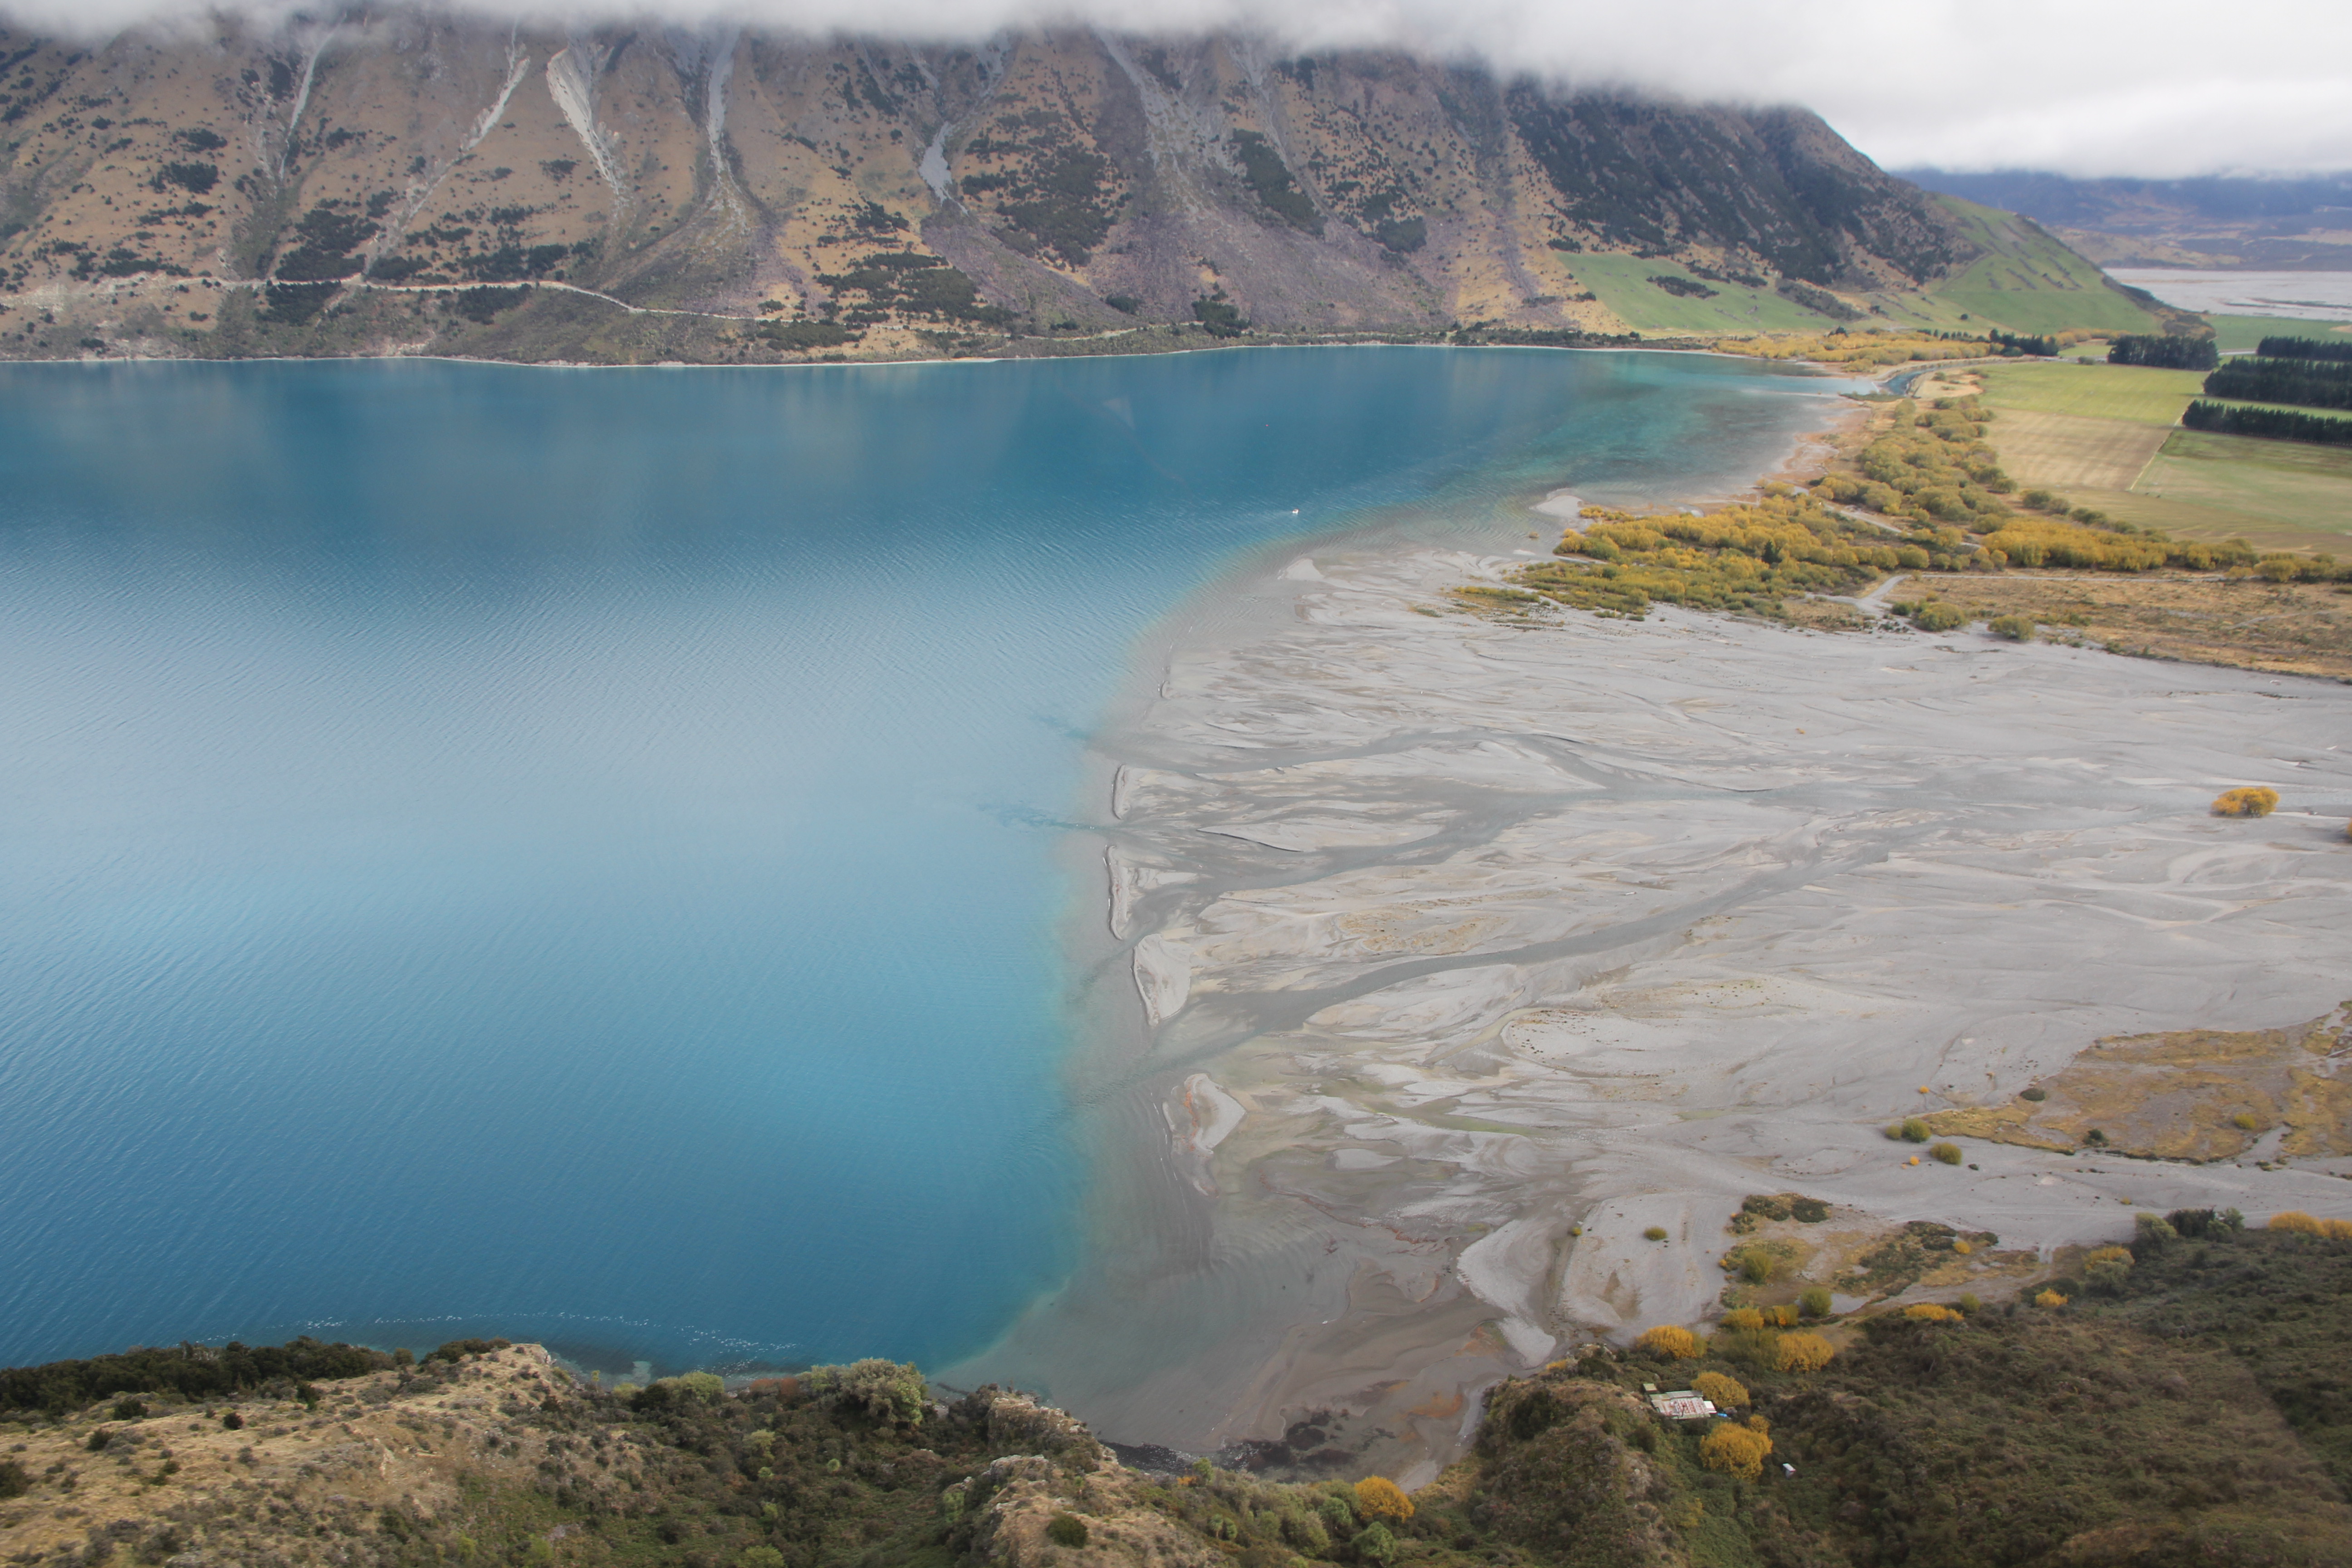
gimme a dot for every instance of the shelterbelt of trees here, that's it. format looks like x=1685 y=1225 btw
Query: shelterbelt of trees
x=2173 y=1401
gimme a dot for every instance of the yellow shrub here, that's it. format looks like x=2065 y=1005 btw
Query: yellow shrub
x=1783 y=1316
x=1726 y=1393
x=1963 y=1248
x=2122 y=1255
x=1378 y=1498
x=2308 y=1225
x=2251 y=800
x=1743 y=1318
x=1802 y=1352
x=1734 y=1451
x=1672 y=1342
x=2050 y=1298
x=1928 y=1312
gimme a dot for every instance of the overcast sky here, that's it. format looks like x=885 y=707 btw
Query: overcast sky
x=2159 y=87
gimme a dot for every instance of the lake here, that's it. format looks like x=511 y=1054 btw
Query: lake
x=572 y=853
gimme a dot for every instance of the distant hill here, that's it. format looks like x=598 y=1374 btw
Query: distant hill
x=423 y=181
x=2298 y=222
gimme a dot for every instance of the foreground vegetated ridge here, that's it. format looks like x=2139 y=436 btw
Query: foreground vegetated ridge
x=419 y=182
x=2171 y=1402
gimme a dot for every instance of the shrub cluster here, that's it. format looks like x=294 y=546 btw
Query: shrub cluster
x=2302 y=1224
x=1735 y=1450
x=2249 y=801
x=190 y=1371
x=1867 y=350
x=1670 y=1341
x=1743 y=558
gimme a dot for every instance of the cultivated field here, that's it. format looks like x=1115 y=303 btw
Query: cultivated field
x=2107 y=437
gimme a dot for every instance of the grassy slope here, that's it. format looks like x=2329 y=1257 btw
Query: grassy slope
x=2104 y=434
x=1624 y=284
x=2029 y=281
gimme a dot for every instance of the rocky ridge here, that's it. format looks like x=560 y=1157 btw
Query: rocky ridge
x=403 y=180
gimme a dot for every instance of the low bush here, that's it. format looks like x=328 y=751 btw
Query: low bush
x=1066 y=1529
x=1380 y=1499
x=2302 y=1224
x=1815 y=1301
x=1930 y=1312
x=883 y=1390
x=1735 y=1451
x=2051 y=1299
x=1802 y=1352
x=1655 y=1233
x=1671 y=1343
x=1910 y=1129
x=1724 y=1392
x=2251 y=800
x=2015 y=629
x=1950 y=1153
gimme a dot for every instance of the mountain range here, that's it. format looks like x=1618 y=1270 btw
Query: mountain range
x=405 y=181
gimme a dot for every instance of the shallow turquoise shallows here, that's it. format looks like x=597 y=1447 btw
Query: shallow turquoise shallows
x=572 y=853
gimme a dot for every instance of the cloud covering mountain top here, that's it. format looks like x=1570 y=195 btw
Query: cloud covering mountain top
x=2154 y=87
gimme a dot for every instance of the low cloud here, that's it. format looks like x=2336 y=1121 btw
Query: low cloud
x=2157 y=87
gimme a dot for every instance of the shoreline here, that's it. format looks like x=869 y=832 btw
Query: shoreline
x=1484 y=946
x=1814 y=365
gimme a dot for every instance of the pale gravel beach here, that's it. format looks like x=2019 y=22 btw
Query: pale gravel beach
x=1447 y=934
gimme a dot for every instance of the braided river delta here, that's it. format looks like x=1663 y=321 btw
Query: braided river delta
x=587 y=855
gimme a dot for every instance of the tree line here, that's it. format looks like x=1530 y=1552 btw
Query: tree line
x=2307 y=384
x=2168 y=352
x=2273 y=424
x=2014 y=344
x=2302 y=348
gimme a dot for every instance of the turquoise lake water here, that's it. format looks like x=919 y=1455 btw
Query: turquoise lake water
x=572 y=854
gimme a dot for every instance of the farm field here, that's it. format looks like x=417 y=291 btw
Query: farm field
x=2107 y=437
x=2124 y=392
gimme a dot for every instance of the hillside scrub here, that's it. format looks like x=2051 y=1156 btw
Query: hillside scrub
x=2197 y=1415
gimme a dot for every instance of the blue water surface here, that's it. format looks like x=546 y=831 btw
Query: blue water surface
x=570 y=853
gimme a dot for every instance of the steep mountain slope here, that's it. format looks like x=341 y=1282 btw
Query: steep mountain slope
x=392 y=180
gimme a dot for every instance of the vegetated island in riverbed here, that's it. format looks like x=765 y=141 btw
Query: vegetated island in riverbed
x=1922 y=491
x=2178 y=1400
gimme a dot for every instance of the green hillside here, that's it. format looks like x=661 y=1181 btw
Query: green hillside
x=1624 y=284
x=2029 y=281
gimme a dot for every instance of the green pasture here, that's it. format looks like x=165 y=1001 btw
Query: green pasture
x=1624 y=284
x=2269 y=491
x=2127 y=392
